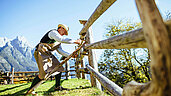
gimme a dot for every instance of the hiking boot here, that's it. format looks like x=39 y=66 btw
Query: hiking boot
x=34 y=93
x=60 y=88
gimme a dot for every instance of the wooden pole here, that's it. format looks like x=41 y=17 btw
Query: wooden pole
x=91 y=56
x=82 y=66
x=159 y=44
x=106 y=83
x=66 y=70
x=12 y=81
x=102 y=7
x=132 y=39
x=77 y=66
x=82 y=63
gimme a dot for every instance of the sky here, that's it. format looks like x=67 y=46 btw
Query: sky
x=33 y=18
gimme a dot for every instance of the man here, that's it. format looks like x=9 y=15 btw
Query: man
x=46 y=61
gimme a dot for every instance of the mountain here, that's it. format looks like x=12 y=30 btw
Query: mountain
x=16 y=53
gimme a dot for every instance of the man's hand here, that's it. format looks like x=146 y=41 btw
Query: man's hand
x=78 y=41
x=63 y=58
x=75 y=56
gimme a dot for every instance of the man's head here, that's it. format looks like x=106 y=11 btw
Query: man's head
x=63 y=29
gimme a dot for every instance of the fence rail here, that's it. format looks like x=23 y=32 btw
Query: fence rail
x=102 y=7
x=106 y=83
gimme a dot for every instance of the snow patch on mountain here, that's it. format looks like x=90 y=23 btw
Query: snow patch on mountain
x=3 y=41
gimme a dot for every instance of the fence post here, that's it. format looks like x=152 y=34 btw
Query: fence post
x=91 y=56
x=77 y=62
x=83 y=66
x=82 y=61
x=67 y=68
x=12 y=81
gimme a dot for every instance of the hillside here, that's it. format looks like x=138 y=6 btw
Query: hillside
x=79 y=87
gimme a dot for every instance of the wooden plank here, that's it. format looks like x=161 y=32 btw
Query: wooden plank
x=106 y=83
x=102 y=7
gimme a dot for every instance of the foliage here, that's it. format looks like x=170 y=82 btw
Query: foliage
x=124 y=65
x=79 y=87
x=168 y=15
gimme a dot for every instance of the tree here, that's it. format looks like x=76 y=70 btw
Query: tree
x=124 y=65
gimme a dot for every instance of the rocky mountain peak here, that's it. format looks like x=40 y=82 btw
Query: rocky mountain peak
x=16 y=53
x=3 y=41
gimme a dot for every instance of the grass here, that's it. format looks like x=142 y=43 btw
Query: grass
x=79 y=87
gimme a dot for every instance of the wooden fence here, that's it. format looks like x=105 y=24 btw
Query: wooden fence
x=28 y=76
x=155 y=35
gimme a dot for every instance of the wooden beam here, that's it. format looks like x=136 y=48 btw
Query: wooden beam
x=102 y=7
x=106 y=83
x=25 y=72
x=131 y=39
x=159 y=43
x=91 y=57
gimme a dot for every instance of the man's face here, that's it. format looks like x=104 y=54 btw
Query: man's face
x=62 y=31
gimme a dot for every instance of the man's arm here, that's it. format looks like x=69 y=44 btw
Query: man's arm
x=57 y=37
x=62 y=52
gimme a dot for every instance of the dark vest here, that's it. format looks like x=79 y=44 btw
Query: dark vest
x=46 y=38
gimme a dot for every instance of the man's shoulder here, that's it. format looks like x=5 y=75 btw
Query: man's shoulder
x=52 y=30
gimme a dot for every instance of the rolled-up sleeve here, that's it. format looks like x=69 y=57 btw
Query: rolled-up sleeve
x=62 y=52
x=57 y=37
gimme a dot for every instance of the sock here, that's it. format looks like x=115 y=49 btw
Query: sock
x=57 y=79
x=35 y=81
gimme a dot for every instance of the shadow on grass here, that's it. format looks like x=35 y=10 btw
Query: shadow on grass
x=20 y=93
x=81 y=87
x=49 y=92
x=12 y=87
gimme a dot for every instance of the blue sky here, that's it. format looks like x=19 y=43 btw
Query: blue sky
x=33 y=18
